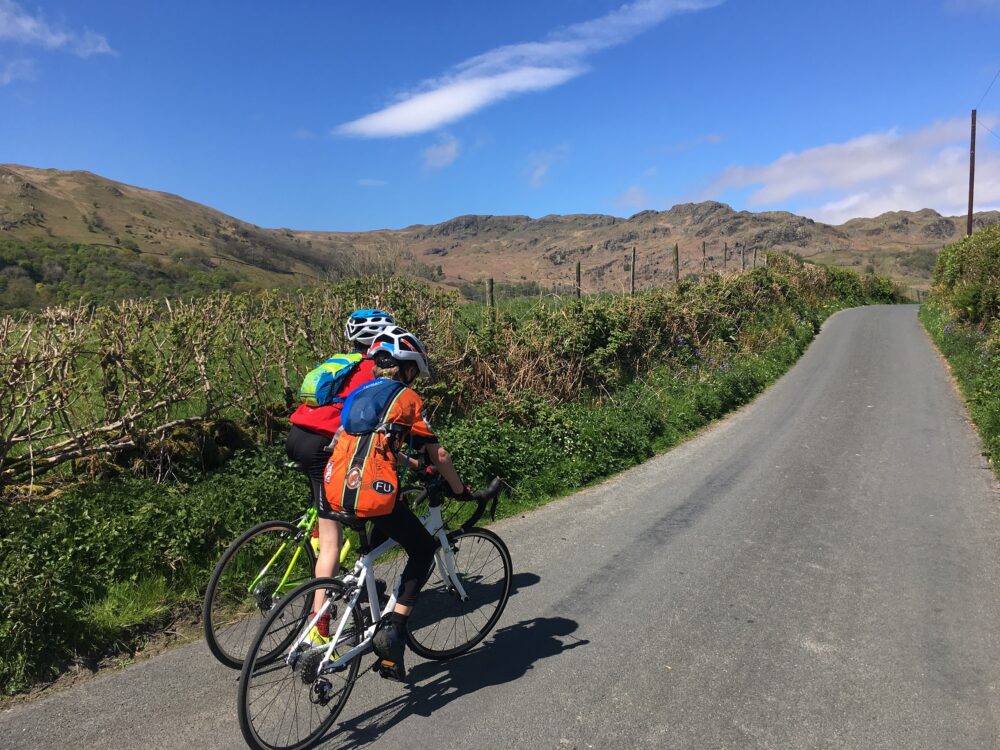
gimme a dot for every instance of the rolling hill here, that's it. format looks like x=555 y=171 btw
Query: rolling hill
x=65 y=235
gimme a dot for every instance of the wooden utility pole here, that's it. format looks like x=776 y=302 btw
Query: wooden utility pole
x=972 y=172
x=677 y=263
x=704 y=260
x=578 y=279
x=631 y=284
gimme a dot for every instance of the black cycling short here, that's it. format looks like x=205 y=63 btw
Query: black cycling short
x=310 y=449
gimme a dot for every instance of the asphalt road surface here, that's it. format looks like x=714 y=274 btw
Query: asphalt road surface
x=819 y=570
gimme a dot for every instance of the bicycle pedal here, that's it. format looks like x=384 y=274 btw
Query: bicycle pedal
x=390 y=670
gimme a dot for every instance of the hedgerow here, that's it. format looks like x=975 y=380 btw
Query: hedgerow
x=963 y=317
x=551 y=399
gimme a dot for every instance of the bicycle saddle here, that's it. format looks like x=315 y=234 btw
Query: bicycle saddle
x=345 y=519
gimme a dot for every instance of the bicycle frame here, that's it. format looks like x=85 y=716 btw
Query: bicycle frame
x=362 y=576
x=305 y=525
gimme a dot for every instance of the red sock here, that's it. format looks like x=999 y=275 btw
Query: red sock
x=323 y=625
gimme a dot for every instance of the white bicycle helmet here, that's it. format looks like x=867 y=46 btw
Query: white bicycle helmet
x=402 y=346
x=364 y=325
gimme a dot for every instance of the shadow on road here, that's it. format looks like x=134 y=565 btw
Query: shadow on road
x=505 y=657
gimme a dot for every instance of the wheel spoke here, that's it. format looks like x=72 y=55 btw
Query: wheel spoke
x=442 y=624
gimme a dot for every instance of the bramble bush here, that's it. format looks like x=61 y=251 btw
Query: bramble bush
x=553 y=398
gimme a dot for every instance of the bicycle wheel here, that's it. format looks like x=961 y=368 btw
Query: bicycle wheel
x=284 y=703
x=246 y=583
x=442 y=625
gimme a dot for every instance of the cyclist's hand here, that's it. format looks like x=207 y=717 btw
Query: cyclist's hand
x=465 y=494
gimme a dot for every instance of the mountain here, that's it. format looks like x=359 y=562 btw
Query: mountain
x=69 y=234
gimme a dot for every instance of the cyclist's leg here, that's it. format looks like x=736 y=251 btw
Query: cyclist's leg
x=310 y=449
x=405 y=528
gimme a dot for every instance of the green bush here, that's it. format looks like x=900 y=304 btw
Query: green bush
x=967 y=277
x=963 y=318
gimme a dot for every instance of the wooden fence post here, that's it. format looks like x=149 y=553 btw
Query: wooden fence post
x=631 y=284
x=743 y=255
x=677 y=263
x=725 y=254
x=578 y=279
x=755 y=256
x=704 y=259
x=490 y=299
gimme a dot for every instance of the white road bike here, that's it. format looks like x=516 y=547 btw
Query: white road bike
x=291 y=690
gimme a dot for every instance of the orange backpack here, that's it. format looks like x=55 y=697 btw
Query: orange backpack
x=361 y=477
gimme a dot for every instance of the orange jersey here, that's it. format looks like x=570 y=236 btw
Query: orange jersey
x=361 y=477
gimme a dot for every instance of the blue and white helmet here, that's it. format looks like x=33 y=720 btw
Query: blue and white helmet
x=364 y=325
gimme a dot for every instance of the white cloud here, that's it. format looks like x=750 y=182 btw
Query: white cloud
x=16 y=70
x=875 y=173
x=19 y=26
x=513 y=69
x=633 y=199
x=541 y=164
x=441 y=154
x=368 y=182
x=650 y=172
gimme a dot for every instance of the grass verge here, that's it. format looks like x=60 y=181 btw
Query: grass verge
x=974 y=356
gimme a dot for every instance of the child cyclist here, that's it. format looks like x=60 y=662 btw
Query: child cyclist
x=382 y=419
x=313 y=428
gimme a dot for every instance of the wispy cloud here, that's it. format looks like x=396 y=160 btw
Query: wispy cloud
x=513 y=69
x=369 y=182
x=633 y=199
x=304 y=134
x=876 y=172
x=16 y=70
x=541 y=163
x=19 y=26
x=441 y=154
x=708 y=138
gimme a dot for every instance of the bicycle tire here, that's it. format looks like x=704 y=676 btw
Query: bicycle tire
x=263 y=662
x=226 y=617
x=437 y=601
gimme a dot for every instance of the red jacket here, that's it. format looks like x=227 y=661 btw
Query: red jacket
x=326 y=419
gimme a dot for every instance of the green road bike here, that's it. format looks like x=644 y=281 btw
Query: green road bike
x=260 y=567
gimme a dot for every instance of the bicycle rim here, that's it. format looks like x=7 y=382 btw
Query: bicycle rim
x=254 y=573
x=442 y=625
x=284 y=706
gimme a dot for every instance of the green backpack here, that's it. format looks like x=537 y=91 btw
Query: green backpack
x=321 y=384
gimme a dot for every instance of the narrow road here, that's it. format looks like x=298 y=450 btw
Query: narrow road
x=821 y=570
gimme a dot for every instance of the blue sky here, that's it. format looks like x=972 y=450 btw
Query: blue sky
x=344 y=115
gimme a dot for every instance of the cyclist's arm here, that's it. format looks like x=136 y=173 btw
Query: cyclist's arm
x=442 y=462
